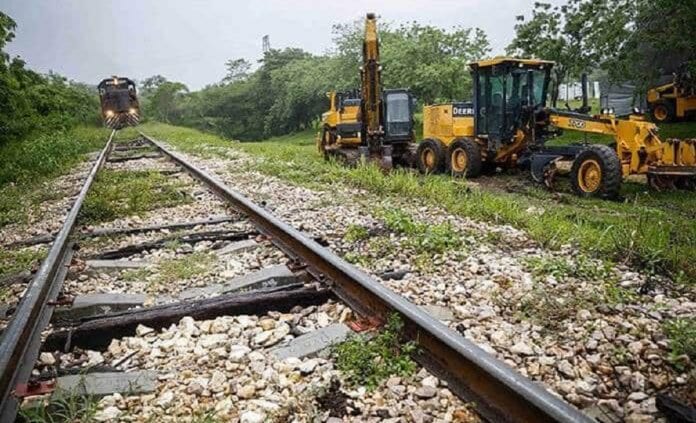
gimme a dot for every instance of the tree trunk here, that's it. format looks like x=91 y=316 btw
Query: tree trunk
x=555 y=86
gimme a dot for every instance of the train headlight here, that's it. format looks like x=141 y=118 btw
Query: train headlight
x=109 y=113
x=131 y=111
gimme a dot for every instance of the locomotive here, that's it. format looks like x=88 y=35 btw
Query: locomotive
x=119 y=102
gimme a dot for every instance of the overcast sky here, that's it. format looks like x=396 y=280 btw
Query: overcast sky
x=189 y=41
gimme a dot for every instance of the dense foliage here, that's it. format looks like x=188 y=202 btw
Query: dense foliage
x=287 y=92
x=33 y=102
x=630 y=40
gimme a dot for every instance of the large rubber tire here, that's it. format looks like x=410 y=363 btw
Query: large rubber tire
x=662 y=111
x=596 y=172
x=321 y=141
x=431 y=156
x=464 y=158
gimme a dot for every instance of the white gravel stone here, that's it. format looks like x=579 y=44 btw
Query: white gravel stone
x=238 y=353
x=522 y=348
x=108 y=414
x=252 y=417
x=47 y=359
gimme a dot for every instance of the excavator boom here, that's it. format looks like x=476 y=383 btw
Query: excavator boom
x=371 y=78
x=382 y=131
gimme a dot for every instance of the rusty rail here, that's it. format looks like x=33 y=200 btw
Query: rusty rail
x=500 y=393
x=21 y=340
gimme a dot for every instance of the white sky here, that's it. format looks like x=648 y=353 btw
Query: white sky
x=189 y=41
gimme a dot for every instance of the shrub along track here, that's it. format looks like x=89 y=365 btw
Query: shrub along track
x=498 y=392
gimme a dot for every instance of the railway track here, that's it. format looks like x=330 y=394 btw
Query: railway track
x=499 y=393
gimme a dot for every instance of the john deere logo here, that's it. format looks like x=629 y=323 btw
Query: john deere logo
x=462 y=111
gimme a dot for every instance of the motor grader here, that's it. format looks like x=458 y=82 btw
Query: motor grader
x=508 y=124
x=383 y=128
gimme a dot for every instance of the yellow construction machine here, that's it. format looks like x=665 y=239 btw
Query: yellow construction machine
x=341 y=123
x=508 y=124
x=383 y=131
x=673 y=101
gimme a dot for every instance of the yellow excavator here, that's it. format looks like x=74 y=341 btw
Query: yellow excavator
x=508 y=124
x=383 y=131
x=341 y=123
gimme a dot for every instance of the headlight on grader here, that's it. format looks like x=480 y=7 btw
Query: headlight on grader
x=131 y=111
x=109 y=113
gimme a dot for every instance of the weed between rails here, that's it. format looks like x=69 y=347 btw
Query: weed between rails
x=125 y=193
x=186 y=267
x=61 y=407
x=369 y=362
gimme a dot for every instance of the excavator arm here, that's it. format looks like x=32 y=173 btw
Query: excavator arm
x=370 y=74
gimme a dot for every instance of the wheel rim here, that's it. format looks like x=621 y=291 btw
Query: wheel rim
x=590 y=176
x=459 y=160
x=660 y=112
x=428 y=158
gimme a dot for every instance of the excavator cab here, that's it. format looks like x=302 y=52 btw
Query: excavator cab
x=507 y=91
x=398 y=113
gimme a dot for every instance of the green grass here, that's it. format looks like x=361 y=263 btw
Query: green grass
x=61 y=407
x=369 y=362
x=655 y=231
x=551 y=305
x=423 y=238
x=26 y=164
x=118 y=193
x=682 y=339
x=186 y=267
x=562 y=267
x=356 y=233
x=17 y=260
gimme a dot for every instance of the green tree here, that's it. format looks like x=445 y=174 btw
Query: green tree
x=631 y=40
x=165 y=101
x=431 y=61
x=287 y=91
x=149 y=85
x=237 y=70
x=553 y=33
x=33 y=102
x=658 y=39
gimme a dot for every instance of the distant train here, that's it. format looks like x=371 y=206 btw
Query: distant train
x=119 y=102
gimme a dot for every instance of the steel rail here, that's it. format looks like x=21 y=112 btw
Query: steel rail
x=20 y=342
x=500 y=392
